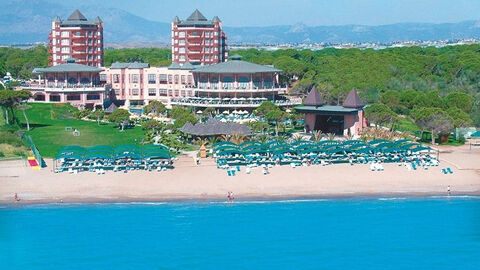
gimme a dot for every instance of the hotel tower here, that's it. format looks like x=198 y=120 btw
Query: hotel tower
x=77 y=38
x=198 y=40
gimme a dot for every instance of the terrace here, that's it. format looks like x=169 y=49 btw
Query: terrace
x=242 y=102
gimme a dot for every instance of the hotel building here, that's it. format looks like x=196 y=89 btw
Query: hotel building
x=235 y=84
x=198 y=40
x=78 y=38
x=79 y=85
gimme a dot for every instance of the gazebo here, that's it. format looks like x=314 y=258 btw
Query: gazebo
x=340 y=120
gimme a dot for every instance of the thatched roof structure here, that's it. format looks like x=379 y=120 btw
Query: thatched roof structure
x=214 y=127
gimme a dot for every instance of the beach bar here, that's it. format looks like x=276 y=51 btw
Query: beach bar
x=347 y=119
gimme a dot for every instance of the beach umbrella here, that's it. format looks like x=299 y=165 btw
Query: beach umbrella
x=199 y=112
x=475 y=134
x=234 y=98
x=288 y=110
x=226 y=98
x=242 y=99
x=226 y=112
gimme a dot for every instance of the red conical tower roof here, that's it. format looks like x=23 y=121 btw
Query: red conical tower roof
x=353 y=100
x=313 y=98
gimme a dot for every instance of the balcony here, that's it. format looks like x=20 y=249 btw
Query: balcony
x=79 y=52
x=78 y=36
x=62 y=87
x=252 y=102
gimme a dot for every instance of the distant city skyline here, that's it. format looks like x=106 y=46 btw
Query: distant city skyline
x=288 y=12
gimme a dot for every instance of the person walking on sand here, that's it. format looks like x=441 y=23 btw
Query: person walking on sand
x=15 y=197
x=448 y=190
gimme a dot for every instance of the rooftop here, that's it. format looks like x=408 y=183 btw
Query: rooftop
x=196 y=19
x=77 y=18
x=134 y=65
x=67 y=67
x=236 y=65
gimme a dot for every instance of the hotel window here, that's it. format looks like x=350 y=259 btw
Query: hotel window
x=207 y=57
x=78 y=34
x=135 y=78
x=135 y=92
x=182 y=79
x=176 y=79
x=216 y=33
x=93 y=97
x=181 y=50
x=54 y=41
x=99 y=33
x=57 y=33
x=176 y=93
x=73 y=97
x=99 y=57
x=90 y=57
x=163 y=92
x=181 y=34
x=65 y=42
x=170 y=79
x=116 y=78
x=89 y=41
x=182 y=57
x=89 y=33
x=151 y=78
x=99 y=49
x=216 y=41
x=190 y=79
x=163 y=78
x=99 y=41
x=90 y=49
x=65 y=50
x=183 y=93
x=175 y=49
x=64 y=57
x=65 y=34
x=103 y=77
x=152 y=92
x=243 y=82
x=181 y=42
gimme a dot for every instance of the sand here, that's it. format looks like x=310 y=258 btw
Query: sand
x=189 y=181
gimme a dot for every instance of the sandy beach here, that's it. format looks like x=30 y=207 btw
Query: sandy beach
x=189 y=181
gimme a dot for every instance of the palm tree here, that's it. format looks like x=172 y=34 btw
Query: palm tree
x=237 y=138
x=23 y=107
x=331 y=136
x=317 y=135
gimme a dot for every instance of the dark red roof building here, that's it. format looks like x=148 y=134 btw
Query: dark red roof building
x=77 y=38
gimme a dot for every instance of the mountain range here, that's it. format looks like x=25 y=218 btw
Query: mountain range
x=23 y=21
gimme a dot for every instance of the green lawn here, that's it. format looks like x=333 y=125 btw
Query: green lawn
x=48 y=123
x=406 y=124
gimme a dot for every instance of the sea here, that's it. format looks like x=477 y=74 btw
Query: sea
x=338 y=233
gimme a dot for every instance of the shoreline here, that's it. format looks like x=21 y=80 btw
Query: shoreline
x=247 y=198
x=205 y=182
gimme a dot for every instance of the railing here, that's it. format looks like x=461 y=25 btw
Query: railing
x=60 y=87
x=196 y=102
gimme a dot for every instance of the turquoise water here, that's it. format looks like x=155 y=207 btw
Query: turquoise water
x=414 y=233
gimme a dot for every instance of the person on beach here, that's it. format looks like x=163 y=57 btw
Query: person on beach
x=15 y=197
x=448 y=190
x=230 y=196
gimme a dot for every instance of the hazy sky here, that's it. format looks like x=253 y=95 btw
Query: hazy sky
x=309 y=12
